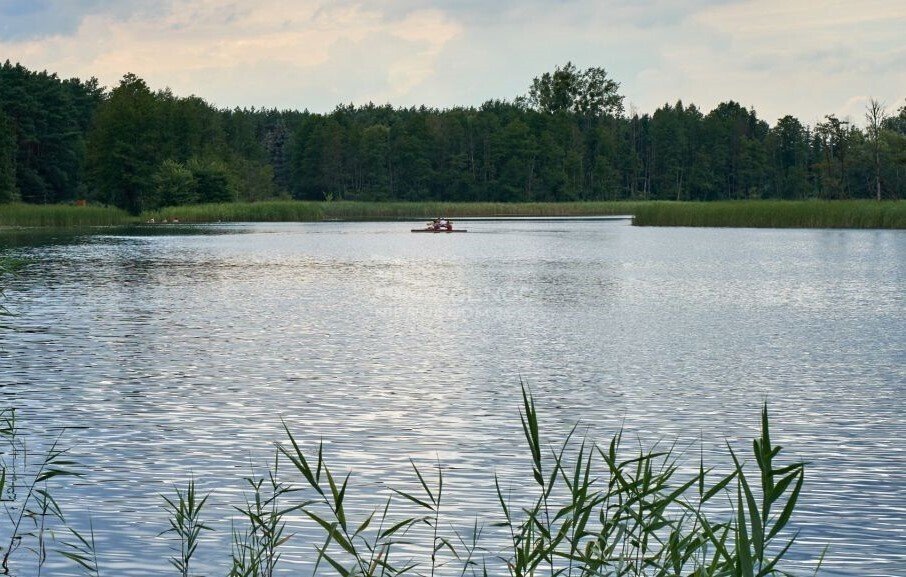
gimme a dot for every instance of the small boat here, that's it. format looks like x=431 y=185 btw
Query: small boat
x=439 y=225
x=438 y=230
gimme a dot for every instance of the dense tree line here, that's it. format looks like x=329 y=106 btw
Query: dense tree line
x=568 y=138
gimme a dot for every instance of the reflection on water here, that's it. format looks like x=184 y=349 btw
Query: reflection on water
x=181 y=353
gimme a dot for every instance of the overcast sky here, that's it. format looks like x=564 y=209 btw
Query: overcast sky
x=800 y=57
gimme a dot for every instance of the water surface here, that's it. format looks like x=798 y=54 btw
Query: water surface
x=176 y=356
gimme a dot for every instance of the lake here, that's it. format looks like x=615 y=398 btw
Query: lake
x=176 y=352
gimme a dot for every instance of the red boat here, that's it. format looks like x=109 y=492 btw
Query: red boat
x=439 y=225
x=439 y=230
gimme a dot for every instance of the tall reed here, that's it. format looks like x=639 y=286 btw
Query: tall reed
x=267 y=211
x=406 y=210
x=598 y=512
x=61 y=215
x=588 y=509
x=752 y=213
x=774 y=214
x=185 y=524
x=29 y=507
x=256 y=550
x=310 y=211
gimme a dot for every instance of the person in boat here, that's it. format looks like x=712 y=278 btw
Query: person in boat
x=444 y=224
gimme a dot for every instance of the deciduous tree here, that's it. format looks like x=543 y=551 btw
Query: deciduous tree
x=588 y=92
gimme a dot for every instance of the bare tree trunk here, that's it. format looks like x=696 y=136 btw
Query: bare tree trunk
x=878 y=174
x=874 y=117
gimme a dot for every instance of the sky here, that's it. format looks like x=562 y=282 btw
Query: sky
x=799 y=57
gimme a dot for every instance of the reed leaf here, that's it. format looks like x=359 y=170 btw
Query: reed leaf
x=332 y=531
x=787 y=512
x=743 y=546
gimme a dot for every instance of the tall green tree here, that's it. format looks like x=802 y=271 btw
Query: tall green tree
x=49 y=117
x=588 y=92
x=174 y=184
x=123 y=151
x=833 y=139
x=894 y=161
x=8 y=191
x=671 y=146
x=788 y=143
x=212 y=181
x=567 y=139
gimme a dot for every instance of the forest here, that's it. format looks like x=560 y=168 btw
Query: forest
x=569 y=138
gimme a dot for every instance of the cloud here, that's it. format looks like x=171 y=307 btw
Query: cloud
x=196 y=42
x=788 y=56
x=36 y=19
x=782 y=57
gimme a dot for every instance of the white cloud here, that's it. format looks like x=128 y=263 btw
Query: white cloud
x=810 y=21
x=209 y=38
x=788 y=56
x=796 y=57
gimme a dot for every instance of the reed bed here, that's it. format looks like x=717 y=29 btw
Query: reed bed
x=422 y=210
x=267 y=211
x=310 y=211
x=738 y=214
x=591 y=509
x=61 y=215
x=774 y=214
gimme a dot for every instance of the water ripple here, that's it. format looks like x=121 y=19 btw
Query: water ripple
x=181 y=357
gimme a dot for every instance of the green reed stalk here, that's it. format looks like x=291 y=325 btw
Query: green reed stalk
x=596 y=511
x=256 y=551
x=83 y=551
x=363 y=548
x=186 y=524
x=25 y=491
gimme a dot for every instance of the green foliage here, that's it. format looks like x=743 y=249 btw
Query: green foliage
x=254 y=181
x=212 y=182
x=174 y=185
x=49 y=118
x=123 y=149
x=586 y=92
x=177 y=184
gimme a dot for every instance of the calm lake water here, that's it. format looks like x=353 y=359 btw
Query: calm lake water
x=174 y=353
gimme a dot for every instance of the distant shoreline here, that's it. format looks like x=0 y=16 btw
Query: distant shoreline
x=857 y=214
